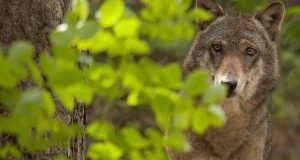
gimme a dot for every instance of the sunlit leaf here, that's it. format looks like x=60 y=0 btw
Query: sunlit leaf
x=104 y=151
x=201 y=14
x=81 y=9
x=127 y=27
x=70 y=93
x=133 y=98
x=110 y=12
x=200 y=120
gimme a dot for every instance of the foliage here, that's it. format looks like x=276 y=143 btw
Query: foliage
x=73 y=73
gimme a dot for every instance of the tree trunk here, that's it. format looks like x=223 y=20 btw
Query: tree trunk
x=33 y=20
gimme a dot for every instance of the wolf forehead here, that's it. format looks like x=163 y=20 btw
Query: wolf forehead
x=234 y=30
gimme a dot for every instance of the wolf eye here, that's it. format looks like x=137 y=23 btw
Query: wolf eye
x=217 y=47
x=250 y=51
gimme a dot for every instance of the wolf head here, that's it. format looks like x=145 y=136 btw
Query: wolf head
x=239 y=51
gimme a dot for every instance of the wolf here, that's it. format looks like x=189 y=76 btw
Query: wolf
x=239 y=51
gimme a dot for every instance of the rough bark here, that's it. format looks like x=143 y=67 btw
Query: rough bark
x=33 y=20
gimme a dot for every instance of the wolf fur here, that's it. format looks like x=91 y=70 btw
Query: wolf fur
x=242 y=48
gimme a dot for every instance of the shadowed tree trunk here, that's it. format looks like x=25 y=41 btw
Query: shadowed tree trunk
x=33 y=20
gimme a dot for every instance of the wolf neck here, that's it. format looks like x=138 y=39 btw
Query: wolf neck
x=240 y=126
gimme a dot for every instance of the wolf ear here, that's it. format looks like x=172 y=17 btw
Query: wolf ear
x=271 y=18
x=213 y=7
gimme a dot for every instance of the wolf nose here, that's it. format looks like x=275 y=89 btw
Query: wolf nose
x=231 y=84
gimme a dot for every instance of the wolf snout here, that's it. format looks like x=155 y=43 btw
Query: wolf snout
x=231 y=84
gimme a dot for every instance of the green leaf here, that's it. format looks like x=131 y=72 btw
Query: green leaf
x=60 y=72
x=36 y=74
x=81 y=9
x=13 y=70
x=110 y=12
x=133 y=138
x=214 y=94
x=102 y=41
x=196 y=83
x=218 y=116
x=89 y=29
x=64 y=38
x=133 y=98
x=182 y=113
x=205 y=117
x=162 y=108
x=127 y=27
x=201 y=14
x=36 y=98
x=68 y=94
x=21 y=52
x=134 y=46
x=104 y=151
x=200 y=120
x=100 y=130
x=171 y=76
x=176 y=140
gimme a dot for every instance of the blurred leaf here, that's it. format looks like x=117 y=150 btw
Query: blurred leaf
x=62 y=39
x=218 y=116
x=135 y=46
x=162 y=108
x=177 y=141
x=133 y=138
x=201 y=14
x=36 y=74
x=196 y=83
x=200 y=120
x=10 y=75
x=81 y=9
x=133 y=98
x=36 y=98
x=100 y=130
x=89 y=29
x=127 y=27
x=69 y=93
x=214 y=94
x=104 y=151
x=20 y=52
x=205 y=117
x=102 y=41
x=110 y=12
x=182 y=113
